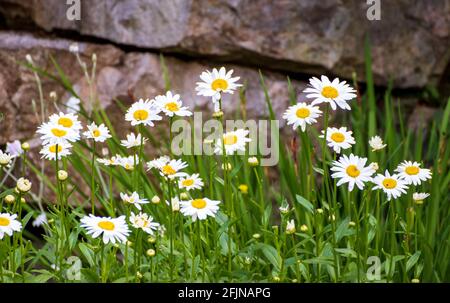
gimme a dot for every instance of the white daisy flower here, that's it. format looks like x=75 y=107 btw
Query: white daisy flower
x=40 y=220
x=49 y=151
x=144 y=222
x=233 y=141
x=97 y=132
x=52 y=133
x=215 y=83
x=172 y=105
x=352 y=170
x=14 y=148
x=73 y=105
x=143 y=112
x=133 y=141
x=419 y=197
x=412 y=173
x=334 y=92
x=5 y=159
x=113 y=161
x=113 y=229
x=128 y=162
x=301 y=114
x=133 y=199
x=9 y=224
x=69 y=121
x=392 y=185
x=191 y=182
x=376 y=143
x=172 y=169
x=199 y=208
x=339 y=138
x=158 y=162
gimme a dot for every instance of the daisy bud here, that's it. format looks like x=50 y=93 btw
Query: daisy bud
x=351 y=224
x=156 y=200
x=22 y=200
x=116 y=245
x=276 y=279
x=151 y=252
x=53 y=96
x=151 y=240
x=304 y=228
x=129 y=243
x=29 y=59
x=294 y=280
x=290 y=227
x=319 y=211
x=50 y=221
x=284 y=209
x=415 y=280
x=73 y=48
x=253 y=161
x=23 y=185
x=419 y=197
x=256 y=236
x=376 y=143
x=25 y=146
x=218 y=114
x=228 y=167
x=184 y=196
x=62 y=175
x=332 y=217
x=139 y=275
x=9 y=199
x=374 y=166
x=243 y=188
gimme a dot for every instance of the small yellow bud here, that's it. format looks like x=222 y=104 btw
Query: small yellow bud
x=25 y=146
x=156 y=200
x=256 y=236
x=139 y=275
x=227 y=168
x=319 y=211
x=184 y=196
x=276 y=279
x=151 y=252
x=304 y=228
x=129 y=243
x=23 y=185
x=62 y=175
x=351 y=224
x=415 y=280
x=253 y=161
x=151 y=239
x=22 y=200
x=243 y=188
x=10 y=199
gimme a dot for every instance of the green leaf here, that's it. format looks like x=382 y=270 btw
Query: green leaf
x=412 y=260
x=305 y=203
x=87 y=253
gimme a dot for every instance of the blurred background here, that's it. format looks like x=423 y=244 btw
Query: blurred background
x=408 y=43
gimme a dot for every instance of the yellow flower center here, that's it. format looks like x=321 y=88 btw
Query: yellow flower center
x=106 y=225
x=168 y=170
x=128 y=166
x=52 y=148
x=66 y=122
x=337 y=137
x=140 y=114
x=198 y=203
x=96 y=133
x=302 y=113
x=329 y=92
x=352 y=171
x=187 y=182
x=172 y=106
x=230 y=139
x=243 y=188
x=58 y=132
x=219 y=85
x=412 y=170
x=389 y=183
x=4 y=221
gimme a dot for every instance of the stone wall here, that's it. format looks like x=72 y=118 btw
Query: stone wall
x=410 y=45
